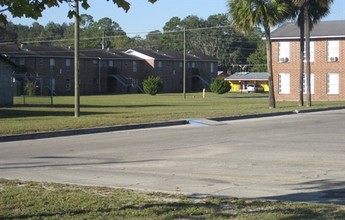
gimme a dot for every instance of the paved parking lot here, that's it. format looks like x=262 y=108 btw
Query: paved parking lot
x=297 y=157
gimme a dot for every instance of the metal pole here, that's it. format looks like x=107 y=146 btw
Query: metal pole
x=99 y=74
x=184 y=63
x=76 y=62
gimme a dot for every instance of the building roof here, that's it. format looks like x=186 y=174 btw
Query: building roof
x=323 y=29
x=12 y=49
x=170 y=55
x=248 y=76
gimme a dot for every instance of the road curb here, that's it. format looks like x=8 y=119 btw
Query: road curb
x=32 y=136
x=40 y=135
x=272 y=114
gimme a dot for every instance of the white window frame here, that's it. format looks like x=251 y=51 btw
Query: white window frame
x=333 y=50
x=333 y=83
x=312 y=83
x=284 y=52
x=284 y=83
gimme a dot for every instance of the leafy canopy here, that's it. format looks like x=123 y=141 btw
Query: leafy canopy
x=34 y=8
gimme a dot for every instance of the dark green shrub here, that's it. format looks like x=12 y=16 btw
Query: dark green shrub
x=152 y=85
x=220 y=86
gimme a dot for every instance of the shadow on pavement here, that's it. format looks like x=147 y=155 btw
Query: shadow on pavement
x=320 y=191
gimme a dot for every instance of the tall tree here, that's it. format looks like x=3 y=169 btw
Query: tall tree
x=308 y=13
x=34 y=9
x=247 y=14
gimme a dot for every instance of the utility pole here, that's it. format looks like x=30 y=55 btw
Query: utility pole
x=184 y=62
x=76 y=61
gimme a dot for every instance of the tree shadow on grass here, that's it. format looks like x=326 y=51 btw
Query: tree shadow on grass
x=17 y=113
x=63 y=110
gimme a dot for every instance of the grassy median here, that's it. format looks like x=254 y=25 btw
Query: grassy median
x=31 y=200
x=38 y=114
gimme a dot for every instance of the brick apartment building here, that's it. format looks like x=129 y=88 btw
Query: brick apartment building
x=6 y=70
x=106 y=70
x=327 y=57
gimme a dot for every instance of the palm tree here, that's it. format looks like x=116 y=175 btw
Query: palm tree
x=247 y=14
x=308 y=13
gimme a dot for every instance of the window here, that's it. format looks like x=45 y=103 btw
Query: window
x=284 y=83
x=68 y=85
x=21 y=61
x=180 y=64
x=311 y=83
x=160 y=64
x=333 y=83
x=41 y=61
x=333 y=50
x=311 y=52
x=111 y=63
x=212 y=67
x=193 y=64
x=135 y=66
x=68 y=62
x=52 y=62
x=284 y=52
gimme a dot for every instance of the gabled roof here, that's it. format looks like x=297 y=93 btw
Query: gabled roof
x=170 y=55
x=12 y=49
x=323 y=29
x=6 y=60
x=93 y=53
x=248 y=76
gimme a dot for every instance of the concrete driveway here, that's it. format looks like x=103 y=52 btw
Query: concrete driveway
x=297 y=157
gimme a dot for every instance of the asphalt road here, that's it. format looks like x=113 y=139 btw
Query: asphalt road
x=297 y=157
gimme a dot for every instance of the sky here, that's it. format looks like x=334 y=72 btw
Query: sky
x=144 y=17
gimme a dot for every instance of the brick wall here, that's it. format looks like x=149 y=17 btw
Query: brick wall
x=320 y=68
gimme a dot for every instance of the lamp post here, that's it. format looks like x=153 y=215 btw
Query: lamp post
x=184 y=63
x=99 y=74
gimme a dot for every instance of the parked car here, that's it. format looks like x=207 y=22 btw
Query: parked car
x=251 y=88
x=254 y=88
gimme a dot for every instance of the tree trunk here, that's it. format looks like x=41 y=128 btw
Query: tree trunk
x=301 y=101
x=271 y=98
x=308 y=68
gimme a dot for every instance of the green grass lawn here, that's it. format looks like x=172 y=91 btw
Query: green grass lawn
x=106 y=110
x=31 y=200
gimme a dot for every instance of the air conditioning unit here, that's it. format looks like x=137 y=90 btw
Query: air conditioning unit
x=283 y=59
x=333 y=59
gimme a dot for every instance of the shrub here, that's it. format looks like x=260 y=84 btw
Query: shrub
x=30 y=88
x=220 y=86
x=152 y=85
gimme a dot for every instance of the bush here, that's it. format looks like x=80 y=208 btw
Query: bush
x=30 y=88
x=152 y=85
x=220 y=86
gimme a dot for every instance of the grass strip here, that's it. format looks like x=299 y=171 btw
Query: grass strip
x=37 y=200
x=39 y=115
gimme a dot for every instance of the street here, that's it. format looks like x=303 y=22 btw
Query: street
x=297 y=157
